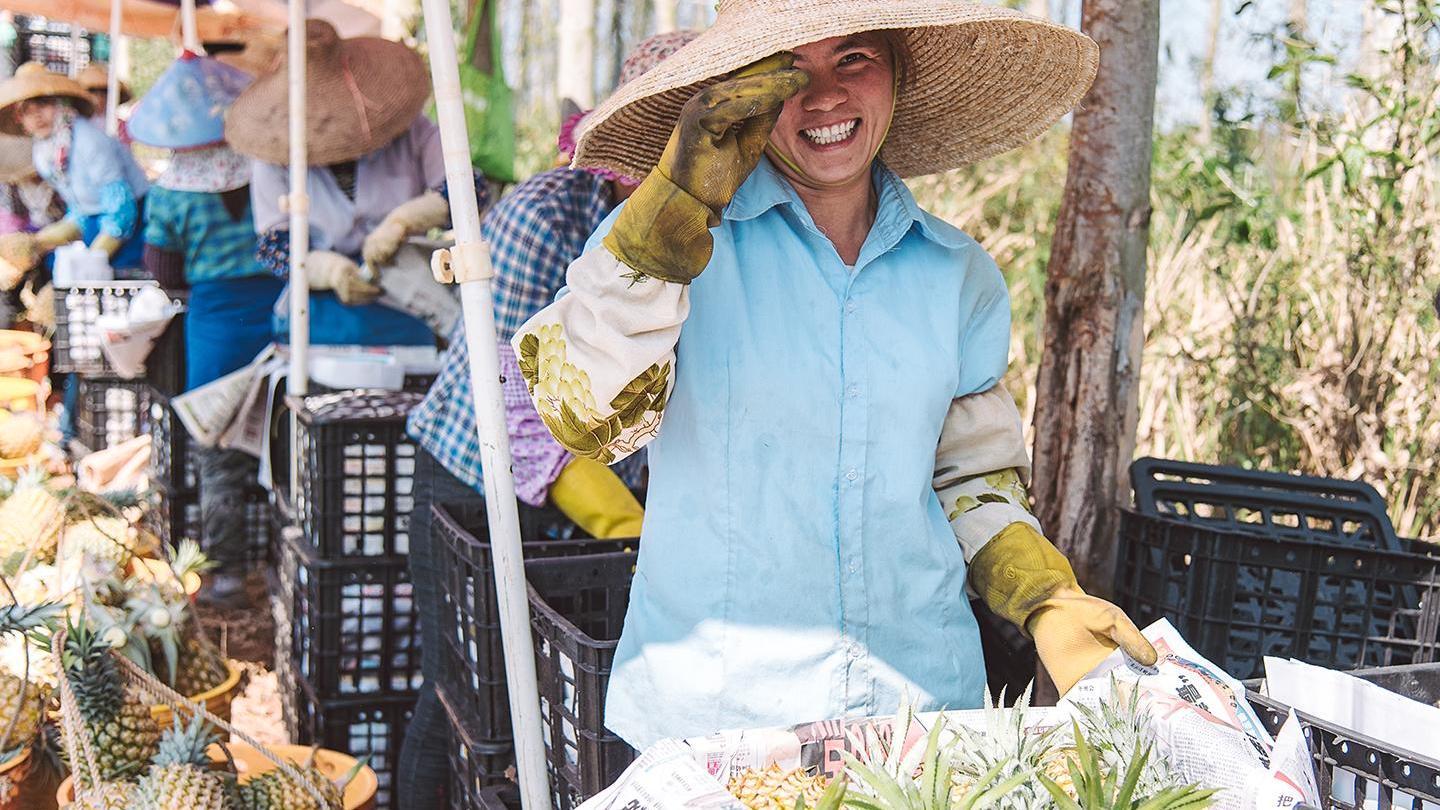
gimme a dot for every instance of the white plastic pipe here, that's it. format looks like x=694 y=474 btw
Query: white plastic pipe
x=298 y=381
x=189 y=32
x=112 y=83
x=75 y=37
x=480 y=339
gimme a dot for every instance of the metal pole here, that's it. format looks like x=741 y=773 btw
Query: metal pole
x=189 y=31
x=471 y=261
x=112 y=82
x=298 y=380
x=74 y=50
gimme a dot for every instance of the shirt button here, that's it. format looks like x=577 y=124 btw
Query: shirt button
x=854 y=568
x=851 y=306
x=852 y=474
x=856 y=651
x=853 y=391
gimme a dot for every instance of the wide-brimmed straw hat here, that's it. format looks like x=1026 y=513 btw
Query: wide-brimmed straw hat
x=257 y=55
x=95 y=77
x=17 y=161
x=981 y=79
x=185 y=109
x=362 y=93
x=32 y=81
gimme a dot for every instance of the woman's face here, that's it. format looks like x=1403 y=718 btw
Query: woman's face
x=833 y=128
x=37 y=117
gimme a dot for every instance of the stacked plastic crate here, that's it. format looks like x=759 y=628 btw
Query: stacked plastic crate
x=108 y=408
x=347 y=636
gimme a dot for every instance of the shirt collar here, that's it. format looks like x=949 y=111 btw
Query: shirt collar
x=766 y=188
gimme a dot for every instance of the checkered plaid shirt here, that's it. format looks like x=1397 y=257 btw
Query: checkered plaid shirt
x=534 y=233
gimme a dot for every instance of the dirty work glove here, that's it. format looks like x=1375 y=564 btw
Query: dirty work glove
x=663 y=231
x=325 y=270
x=56 y=234
x=19 y=253
x=1025 y=579
x=593 y=496
x=39 y=306
x=109 y=244
x=417 y=216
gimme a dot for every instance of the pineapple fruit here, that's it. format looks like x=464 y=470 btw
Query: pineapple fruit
x=106 y=796
x=106 y=540
x=274 y=790
x=775 y=788
x=21 y=434
x=122 y=732
x=22 y=702
x=181 y=776
x=1007 y=744
x=30 y=519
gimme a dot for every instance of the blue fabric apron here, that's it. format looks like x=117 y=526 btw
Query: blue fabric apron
x=227 y=324
x=130 y=256
x=335 y=324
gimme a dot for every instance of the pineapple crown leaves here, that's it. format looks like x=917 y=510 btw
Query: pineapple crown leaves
x=186 y=743
x=91 y=672
x=188 y=558
x=29 y=619
x=832 y=799
x=1100 y=789
x=932 y=791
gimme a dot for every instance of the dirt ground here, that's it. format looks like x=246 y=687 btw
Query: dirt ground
x=247 y=635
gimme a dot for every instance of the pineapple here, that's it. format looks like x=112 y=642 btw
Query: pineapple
x=180 y=775
x=108 y=796
x=107 y=540
x=30 y=520
x=274 y=790
x=892 y=787
x=21 y=434
x=1008 y=745
x=1119 y=729
x=122 y=732
x=775 y=788
x=1099 y=787
x=22 y=702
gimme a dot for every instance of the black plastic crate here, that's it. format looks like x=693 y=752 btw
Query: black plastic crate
x=476 y=766
x=372 y=729
x=348 y=627
x=76 y=345
x=176 y=516
x=1357 y=772
x=473 y=664
x=577 y=608
x=174 y=463
x=1238 y=596
x=108 y=411
x=357 y=470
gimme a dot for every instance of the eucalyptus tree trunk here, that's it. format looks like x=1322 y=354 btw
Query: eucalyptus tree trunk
x=1207 y=67
x=667 y=15
x=1087 y=393
x=575 y=73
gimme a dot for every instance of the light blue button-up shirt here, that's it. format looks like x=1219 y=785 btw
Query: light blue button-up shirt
x=796 y=562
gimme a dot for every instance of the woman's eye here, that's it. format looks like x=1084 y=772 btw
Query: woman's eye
x=853 y=58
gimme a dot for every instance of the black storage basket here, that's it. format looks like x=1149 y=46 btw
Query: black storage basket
x=176 y=516
x=173 y=461
x=107 y=412
x=476 y=766
x=1238 y=596
x=473 y=663
x=357 y=470
x=372 y=729
x=577 y=607
x=349 y=627
x=76 y=345
x=1356 y=772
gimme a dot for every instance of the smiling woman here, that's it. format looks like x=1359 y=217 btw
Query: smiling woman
x=838 y=461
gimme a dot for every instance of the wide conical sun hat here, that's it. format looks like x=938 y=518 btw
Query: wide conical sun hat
x=362 y=93
x=31 y=81
x=16 y=158
x=95 y=78
x=980 y=80
x=185 y=108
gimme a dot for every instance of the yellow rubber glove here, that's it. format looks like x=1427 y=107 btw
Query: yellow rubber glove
x=417 y=216
x=1025 y=579
x=664 y=230
x=326 y=270
x=106 y=242
x=56 y=234
x=593 y=496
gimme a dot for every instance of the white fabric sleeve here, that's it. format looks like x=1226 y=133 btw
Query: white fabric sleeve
x=981 y=468
x=600 y=361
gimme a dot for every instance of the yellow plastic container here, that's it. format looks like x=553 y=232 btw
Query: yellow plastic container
x=217 y=700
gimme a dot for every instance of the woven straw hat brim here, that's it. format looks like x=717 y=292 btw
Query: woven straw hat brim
x=17 y=160
x=981 y=79
x=387 y=85
x=33 y=81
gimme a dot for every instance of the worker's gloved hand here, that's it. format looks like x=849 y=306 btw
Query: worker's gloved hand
x=107 y=243
x=326 y=270
x=664 y=230
x=410 y=218
x=593 y=496
x=39 y=306
x=1025 y=579
x=19 y=253
x=56 y=234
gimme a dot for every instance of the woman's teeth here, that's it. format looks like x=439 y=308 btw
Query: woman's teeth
x=834 y=133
